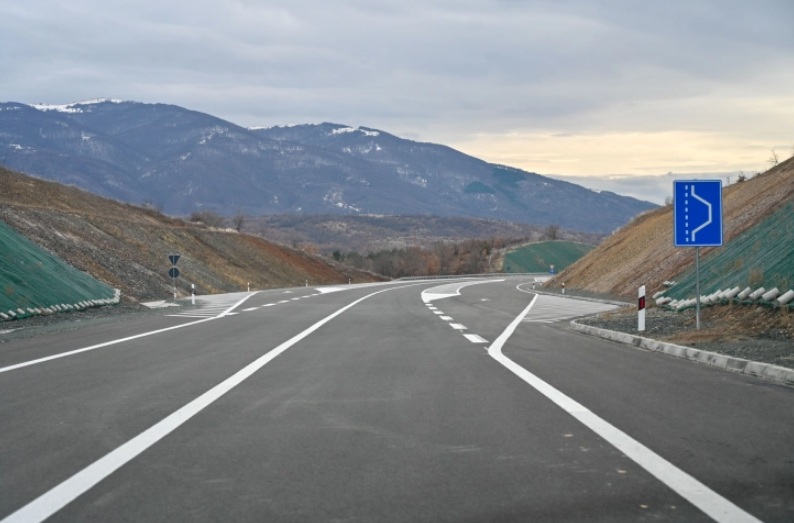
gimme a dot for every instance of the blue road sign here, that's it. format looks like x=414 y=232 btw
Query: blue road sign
x=173 y=272
x=174 y=258
x=697 y=213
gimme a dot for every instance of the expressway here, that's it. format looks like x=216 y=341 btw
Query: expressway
x=465 y=400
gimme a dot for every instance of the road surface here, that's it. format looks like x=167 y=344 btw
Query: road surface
x=409 y=401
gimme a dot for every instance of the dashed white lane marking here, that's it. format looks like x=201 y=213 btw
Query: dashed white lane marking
x=249 y=309
x=705 y=499
x=446 y=318
x=474 y=338
x=61 y=495
x=438 y=313
x=458 y=326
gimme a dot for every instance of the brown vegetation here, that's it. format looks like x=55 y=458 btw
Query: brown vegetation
x=128 y=246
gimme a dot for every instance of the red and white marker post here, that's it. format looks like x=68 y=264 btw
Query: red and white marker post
x=641 y=309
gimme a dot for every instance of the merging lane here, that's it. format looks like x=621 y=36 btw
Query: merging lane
x=384 y=402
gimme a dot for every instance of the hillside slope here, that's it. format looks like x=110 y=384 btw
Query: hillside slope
x=642 y=253
x=544 y=256
x=127 y=247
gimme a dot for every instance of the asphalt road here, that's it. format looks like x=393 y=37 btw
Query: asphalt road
x=412 y=401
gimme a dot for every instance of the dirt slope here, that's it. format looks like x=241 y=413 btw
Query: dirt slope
x=642 y=253
x=128 y=247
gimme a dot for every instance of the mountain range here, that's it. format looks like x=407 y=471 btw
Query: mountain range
x=182 y=161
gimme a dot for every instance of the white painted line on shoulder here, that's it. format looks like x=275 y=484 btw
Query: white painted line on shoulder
x=227 y=312
x=715 y=506
x=458 y=326
x=475 y=339
x=61 y=495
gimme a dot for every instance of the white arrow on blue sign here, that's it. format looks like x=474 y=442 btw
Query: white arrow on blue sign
x=697 y=212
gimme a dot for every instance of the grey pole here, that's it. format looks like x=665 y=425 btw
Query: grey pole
x=697 y=285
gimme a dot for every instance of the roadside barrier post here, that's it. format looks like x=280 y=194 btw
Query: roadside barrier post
x=641 y=309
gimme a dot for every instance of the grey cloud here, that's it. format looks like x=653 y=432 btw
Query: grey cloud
x=467 y=65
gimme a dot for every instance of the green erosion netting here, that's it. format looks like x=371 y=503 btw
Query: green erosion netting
x=539 y=257
x=32 y=278
x=762 y=256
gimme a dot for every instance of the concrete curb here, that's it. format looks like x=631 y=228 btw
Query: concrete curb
x=764 y=371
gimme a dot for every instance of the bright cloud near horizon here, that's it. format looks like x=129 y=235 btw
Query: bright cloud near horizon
x=579 y=88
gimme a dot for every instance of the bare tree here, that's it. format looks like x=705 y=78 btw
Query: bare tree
x=552 y=232
x=773 y=159
x=238 y=221
x=208 y=218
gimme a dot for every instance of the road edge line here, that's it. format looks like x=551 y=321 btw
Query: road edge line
x=698 y=494
x=56 y=498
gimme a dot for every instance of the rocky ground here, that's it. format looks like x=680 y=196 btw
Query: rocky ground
x=753 y=333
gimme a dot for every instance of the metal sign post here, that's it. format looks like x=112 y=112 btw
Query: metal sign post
x=697 y=221
x=173 y=272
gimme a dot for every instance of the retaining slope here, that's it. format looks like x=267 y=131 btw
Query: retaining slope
x=33 y=281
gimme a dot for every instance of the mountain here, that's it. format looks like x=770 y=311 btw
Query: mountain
x=184 y=161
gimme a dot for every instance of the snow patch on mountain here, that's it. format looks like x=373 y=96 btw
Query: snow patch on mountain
x=75 y=107
x=345 y=130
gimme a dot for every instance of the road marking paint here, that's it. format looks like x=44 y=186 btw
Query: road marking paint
x=61 y=495
x=449 y=290
x=458 y=326
x=446 y=318
x=249 y=309
x=475 y=339
x=438 y=313
x=712 y=504
x=282 y=301
x=268 y=305
x=122 y=340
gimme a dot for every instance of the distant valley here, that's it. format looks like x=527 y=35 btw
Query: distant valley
x=183 y=161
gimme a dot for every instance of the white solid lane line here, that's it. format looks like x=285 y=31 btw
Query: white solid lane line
x=705 y=499
x=226 y=312
x=61 y=495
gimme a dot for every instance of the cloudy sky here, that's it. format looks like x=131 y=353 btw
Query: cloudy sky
x=563 y=87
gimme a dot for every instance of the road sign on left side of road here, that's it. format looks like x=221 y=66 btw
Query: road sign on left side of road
x=174 y=258
x=173 y=272
x=697 y=213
